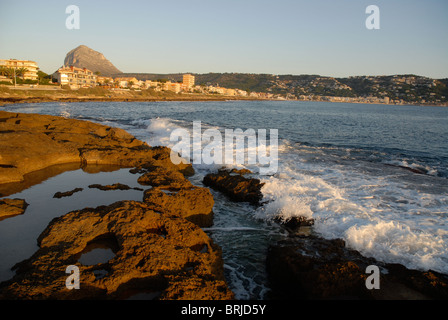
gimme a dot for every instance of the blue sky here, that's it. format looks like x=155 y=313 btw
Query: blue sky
x=326 y=37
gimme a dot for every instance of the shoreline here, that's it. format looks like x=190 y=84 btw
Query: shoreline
x=28 y=95
x=176 y=259
x=5 y=101
x=13 y=100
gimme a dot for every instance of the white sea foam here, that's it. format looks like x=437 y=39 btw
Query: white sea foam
x=382 y=218
x=394 y=241
x=241 y=155
x=391 y=220
x=160 y=130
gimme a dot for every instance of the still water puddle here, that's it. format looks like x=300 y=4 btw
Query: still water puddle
x=99 y=250
x=18 y=234
x=96 y=256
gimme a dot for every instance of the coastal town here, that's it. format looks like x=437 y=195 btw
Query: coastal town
x=73 y=78
x=396 y=89
x=76 y=78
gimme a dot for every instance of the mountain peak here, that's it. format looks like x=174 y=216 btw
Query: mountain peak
x=85 y=57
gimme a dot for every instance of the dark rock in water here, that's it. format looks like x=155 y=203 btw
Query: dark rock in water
x=241 y=171
x=115 y=186
x=12 y=207
x=414 y=170
x=313 y=268
x=137 y=170
x=294 y=224
x=67 y=193
x=236 y=187
x=316 y=268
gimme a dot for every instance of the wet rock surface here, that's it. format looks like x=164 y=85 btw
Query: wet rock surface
x=307 y=267
x=310 y=267
x=115 y=186
x=159 y=250
x=235 y=186
x=194 y=204
x=12 y=207
x=60 y=194
x=164 y=178
x=31 y=142
x=154 y=252
x=295 y=225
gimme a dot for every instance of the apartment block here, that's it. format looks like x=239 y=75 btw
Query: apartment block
x=30 y=66
x=188 y=80
x=76 y=77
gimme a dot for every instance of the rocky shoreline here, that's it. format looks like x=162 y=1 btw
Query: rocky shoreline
x=157 y=244
x=304 y=266
x=159 y=247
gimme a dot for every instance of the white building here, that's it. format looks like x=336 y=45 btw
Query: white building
x=75 y=77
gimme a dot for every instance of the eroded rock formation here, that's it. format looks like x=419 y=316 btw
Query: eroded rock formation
x=12 y=207
x=235 y=186
x=31 y=142
x=154 y=252
x=315 y=268
x=158 y=246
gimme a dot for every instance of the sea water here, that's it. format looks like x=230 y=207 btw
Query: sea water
x=373 y=175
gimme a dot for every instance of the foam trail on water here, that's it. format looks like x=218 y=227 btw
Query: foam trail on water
x=391 y=220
